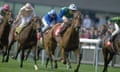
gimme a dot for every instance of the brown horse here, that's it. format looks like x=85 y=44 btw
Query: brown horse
x=27 y=39
x=109 y=50
x=4 y=33
x=68 y=42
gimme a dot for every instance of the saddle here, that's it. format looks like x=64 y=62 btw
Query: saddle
x=18 y=30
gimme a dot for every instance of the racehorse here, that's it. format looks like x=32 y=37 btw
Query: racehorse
x=27 y=39
x=109 y=50
x=68 y=42
x=5 y=26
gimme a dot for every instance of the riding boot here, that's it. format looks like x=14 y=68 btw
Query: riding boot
x=111 y=39
x=41 y=33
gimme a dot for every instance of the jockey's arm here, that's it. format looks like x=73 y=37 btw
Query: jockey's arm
x=116 y=29
x=47 y=20
x=18 y=16
x=34 y=13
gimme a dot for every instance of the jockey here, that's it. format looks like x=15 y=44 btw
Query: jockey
x=26 y=13
x=5 y=8
x=50 y=19
x=113 y=24
x=66 y=13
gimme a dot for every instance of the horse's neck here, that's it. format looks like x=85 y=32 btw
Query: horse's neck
x=5 y=20
x=2 y=26
x=69 y=32
x=26 y=31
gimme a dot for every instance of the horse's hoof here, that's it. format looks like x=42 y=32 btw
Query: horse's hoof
x=63 y=61
x=45 y=66
x=36 y=67
x=69 y=67
x=21 y=66
x=13 y=57
x=6 y=60
x=3 y=61
x=56 y=66
x=75 y=70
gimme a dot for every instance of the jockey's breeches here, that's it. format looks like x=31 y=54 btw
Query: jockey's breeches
x=45 y=25
x=25 y=20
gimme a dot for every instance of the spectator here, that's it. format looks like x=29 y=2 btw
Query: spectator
x=87 y=22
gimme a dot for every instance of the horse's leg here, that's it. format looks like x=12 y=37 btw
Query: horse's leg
x=51 y=61
x=63 y=59
x=68 y=61
x=47 y=60
x=22 y=57
x=28 y=52
x=105 y=54
x=77 y=53
x=4 y=54
x=34 y=57
x=54 y=59
x=18 y=51
x=49 y=57
x=38 y=52
x=109 y=59
x=8 y=50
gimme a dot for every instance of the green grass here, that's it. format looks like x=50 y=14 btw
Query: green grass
x=13 y=66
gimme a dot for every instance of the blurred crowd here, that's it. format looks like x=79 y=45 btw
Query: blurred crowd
x=90 y=26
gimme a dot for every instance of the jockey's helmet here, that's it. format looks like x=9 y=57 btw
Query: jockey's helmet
x=28 y=6
x=52 y=12
x=72 y=7
x=6 y=7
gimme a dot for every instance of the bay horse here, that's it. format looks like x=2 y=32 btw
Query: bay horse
x=27 y=39
x=5 y=27
x=109 y=50
x=68 y=42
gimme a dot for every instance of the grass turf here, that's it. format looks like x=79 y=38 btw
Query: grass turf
x=13 y=66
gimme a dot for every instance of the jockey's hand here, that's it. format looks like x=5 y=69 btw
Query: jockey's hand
x=110 y=30
x=110 y=38
x=66 y=20
x=51 y=25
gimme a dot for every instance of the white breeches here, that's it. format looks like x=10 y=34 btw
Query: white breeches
x=25 y=20
x=45 y=25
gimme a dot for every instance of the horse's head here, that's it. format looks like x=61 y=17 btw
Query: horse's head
x=102 y=30
x=36 y=23
x=77 y=20
x=8 y=17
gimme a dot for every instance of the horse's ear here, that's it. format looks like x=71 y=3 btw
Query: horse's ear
x=33 y=19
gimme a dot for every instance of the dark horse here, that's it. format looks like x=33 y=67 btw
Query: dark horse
x=68 y=42
x=109 y=50
x=4 y=33
x=27 y=39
